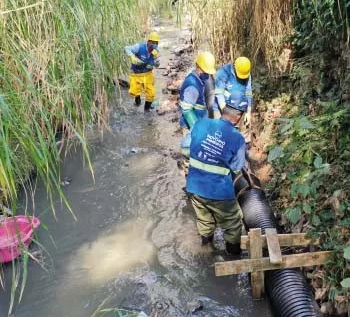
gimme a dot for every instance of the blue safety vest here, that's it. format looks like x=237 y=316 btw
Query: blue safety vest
x=146 y=57
x=198 y=105
x=217 y=151
x=226 y=83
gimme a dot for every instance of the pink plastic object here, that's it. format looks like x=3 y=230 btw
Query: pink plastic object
x=13 y=230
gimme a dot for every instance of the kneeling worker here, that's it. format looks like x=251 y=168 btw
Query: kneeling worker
x=217 y=154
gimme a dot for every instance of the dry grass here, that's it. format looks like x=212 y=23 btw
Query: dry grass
x=255 y=28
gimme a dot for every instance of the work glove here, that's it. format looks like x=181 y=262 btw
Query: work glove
x=222 y=106
x=155 y=53
x=135 y=60
x=248 y=116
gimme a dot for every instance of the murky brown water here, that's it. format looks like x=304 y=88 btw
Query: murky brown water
x=135 y=241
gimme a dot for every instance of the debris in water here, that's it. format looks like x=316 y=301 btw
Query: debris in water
x=195 y=306
x=66 y=181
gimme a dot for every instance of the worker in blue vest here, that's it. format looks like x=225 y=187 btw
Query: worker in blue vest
x=144 y=57
x=217 y=154
x=235 y=78
x=192 y=98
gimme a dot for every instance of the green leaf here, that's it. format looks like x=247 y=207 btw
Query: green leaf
x=304 y=123
x=316 y=220
x=275 y=153
x=307 y=158
x=287 y=126
x=294 y=190
x=307 y=208
x=304 y=189
x=337 y=193
x=25 y=257
x=347 y=253
x=294 y=215
x=318 y=162
x=345 y=283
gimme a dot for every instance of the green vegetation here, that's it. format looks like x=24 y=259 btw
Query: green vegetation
x=254 y=28
x=56 y=58
x=312 y=155
x=301 y=57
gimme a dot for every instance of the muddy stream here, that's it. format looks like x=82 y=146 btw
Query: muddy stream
x=135 y=242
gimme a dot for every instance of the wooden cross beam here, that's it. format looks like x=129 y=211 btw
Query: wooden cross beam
x=257 y=264
x=255 y=252
x=285 y=240
x=273 y=246
x=264 y=264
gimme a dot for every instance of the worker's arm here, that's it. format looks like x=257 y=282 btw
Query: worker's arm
x=220 y=83
x=249 y=95
x=132 y=51
x=187 y=105
x=216 y=110
x=209 y=94
x=238 y=155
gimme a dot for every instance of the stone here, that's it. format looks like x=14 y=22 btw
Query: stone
x=327 y=308
x=320 y=293
x=172 y=88
x=182 y=49
x=345 y=97
x=66 y=181
x=342 y=309
x=195 y=306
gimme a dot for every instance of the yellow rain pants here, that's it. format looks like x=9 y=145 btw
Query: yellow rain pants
x=142 y=82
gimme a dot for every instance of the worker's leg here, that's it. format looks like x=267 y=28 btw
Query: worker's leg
x=135 y=89
x=228 y=216
x=205 y=220
x=150 y=89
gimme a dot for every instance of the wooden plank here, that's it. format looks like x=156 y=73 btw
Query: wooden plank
x=285 y=240
x=263 y=264
x=273 y=246
x=257 y=278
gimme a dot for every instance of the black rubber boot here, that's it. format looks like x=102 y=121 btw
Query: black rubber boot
x=233 y=249
x=208 y=239
x=148 y=105
x=137 y=100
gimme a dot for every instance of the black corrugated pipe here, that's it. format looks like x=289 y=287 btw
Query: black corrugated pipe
x=288 y=291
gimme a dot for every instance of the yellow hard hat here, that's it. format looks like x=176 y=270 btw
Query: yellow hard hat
x=242 y=67
x=206 y=61
x=153 y=36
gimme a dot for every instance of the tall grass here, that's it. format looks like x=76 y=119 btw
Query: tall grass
x=56 y=57
x=56 y=61
x=255 y=28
